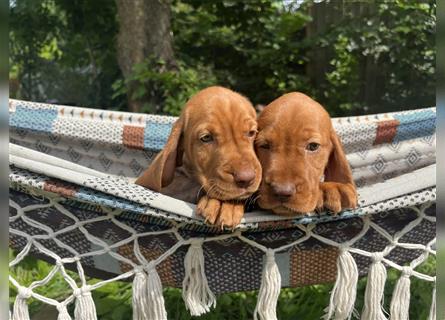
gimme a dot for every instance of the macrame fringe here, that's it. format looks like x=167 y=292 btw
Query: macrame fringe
x=63 y=313
x=399 y=309
x=375 y=287
x=269 y=290
x=196 y=293
x=155 y=299
x=344 y=292
x=20 y=311
x=432 y=315
x=140 y=305
x=85 y=308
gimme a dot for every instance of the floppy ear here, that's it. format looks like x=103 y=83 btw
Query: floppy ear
x=161 y=171
x=338 y=169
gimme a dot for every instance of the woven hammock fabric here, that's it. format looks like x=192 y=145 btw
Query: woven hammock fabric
x=73 y=203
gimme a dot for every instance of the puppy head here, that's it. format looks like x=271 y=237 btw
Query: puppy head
x=297 y=146
x=214 y=140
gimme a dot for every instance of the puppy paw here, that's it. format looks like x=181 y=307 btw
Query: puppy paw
x=220 y=213
x=337 y=196
x=230 y=214
x=208 y=208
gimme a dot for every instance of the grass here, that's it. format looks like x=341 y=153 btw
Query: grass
x=113 y=301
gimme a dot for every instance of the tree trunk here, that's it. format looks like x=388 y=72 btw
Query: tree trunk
x=144 y=31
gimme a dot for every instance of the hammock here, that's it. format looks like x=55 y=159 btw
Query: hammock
x=73 y=203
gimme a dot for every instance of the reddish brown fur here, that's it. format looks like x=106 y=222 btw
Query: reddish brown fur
x=286 y=127
x=230 y=119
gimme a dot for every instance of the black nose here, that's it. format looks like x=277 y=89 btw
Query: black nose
x=283 y=191
x=244 y=178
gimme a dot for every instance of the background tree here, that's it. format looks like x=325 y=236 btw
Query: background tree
x=354 y=57
x=144 y=32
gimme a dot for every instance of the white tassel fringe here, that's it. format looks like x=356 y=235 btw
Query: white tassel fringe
x=269 y=290
x=63 y=312
x=85 y=308
x=399 y=309
x=155 y=299
x=140 y=305
x=432 y=315
x=375 y=287
x=196 y=292
x=20 y=311
x=344 y=292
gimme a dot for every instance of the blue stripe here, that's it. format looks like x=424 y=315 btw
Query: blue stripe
x=156 y=135
x=41 y=120
x=97 y=197
x=415 y=125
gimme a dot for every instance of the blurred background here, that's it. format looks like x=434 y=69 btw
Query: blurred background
x=355 y=57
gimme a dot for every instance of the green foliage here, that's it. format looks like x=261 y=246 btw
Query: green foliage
x=381 y=56
x=370 y=56
x=175 y=86
x=113 y=301
x=57 y=53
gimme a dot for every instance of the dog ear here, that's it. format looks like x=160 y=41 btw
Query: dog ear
x=338 y=169
x=161 y=171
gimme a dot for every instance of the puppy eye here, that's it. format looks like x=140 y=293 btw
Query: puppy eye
x=251 y=133
x=265 y=146
x=313 y=146
x=206 y=138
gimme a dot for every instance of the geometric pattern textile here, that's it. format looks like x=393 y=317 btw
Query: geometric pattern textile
x=73 y=203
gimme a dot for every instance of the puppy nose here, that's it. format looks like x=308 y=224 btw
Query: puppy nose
x=244 y=178
x=283 y=191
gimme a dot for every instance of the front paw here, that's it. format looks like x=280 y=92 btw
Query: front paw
x=336 y=196
x=220 y=213
x=208 y=208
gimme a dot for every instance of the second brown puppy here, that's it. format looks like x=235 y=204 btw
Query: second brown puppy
x=304 y=165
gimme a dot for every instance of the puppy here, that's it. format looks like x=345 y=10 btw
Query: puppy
x=304 y=165
x=210 y=149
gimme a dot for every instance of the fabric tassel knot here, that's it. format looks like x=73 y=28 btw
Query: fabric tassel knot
x=343 y=294
x=85 y=308
x=269 y=290
x=140 y=305
x=375 y=287
x=399 y=309
x=20 y=311
x=155 y=299
x=198 y=297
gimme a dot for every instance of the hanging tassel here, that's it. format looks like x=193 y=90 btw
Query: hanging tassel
x=401 y=296
x=196 y=293
x=375 y=287
x=20 y=311
x=344 y=292
x=269 y=290
x=63 y=312
x=155 y=299
x=433 y=306
x=140 y=305
x=85 y=308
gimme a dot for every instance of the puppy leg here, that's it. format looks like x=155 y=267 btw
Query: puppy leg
x=230 y=214
x=208 y=208
x=338 y=196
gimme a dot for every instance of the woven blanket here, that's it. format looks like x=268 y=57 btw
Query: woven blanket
x=73 y=203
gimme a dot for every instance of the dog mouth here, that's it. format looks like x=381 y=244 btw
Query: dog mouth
x=227 y=192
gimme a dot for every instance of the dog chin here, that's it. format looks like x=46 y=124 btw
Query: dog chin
x=291 y=210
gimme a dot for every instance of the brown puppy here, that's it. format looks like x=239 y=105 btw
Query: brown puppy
x=210 y=148
x=297 y=146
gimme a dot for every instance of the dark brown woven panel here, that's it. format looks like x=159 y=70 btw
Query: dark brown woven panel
x=313 y=266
